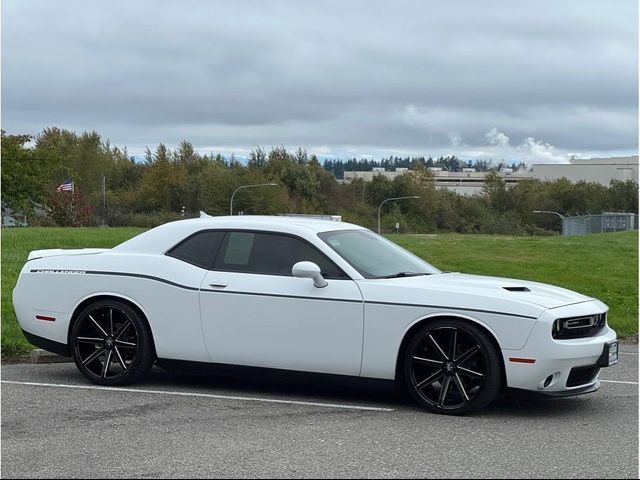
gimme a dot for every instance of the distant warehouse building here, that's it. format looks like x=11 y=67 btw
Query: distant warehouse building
x=470 y=182
x=600 y=170
x=467 y=182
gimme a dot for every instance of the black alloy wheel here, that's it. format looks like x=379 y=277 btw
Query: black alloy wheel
x=112 y=343
x=452 y=367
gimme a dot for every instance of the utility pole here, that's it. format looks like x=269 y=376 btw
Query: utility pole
x=104 y=199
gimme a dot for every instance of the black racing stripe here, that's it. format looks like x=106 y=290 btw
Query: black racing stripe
x=368 y=302
x=147 y=277
x=450 y=308
x=168 y=282
x=277 y=295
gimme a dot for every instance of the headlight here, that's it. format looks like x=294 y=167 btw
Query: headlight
x=579 y=327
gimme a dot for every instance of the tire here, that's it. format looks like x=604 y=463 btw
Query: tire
x=111 y=334
x=452 y=381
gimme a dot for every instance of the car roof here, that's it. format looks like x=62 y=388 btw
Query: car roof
x=316 y=224
x=162 y=238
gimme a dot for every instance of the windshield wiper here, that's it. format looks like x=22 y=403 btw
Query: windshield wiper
x=404 y=274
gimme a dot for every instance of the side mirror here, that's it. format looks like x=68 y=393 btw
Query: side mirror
x=309 y=270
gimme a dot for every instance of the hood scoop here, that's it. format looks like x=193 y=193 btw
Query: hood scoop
x=517 y=289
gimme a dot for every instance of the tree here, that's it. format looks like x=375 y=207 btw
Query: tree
x=257 y=159
x=25 y=173
x=497 y=193
x=168 y=180
x=162 y=183
x=186 y=154
x=623 y=196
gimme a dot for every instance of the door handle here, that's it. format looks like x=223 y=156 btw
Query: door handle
x=217 y=285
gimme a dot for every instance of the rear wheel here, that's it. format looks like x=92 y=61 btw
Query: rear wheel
x=111 y=343
x=452 y=367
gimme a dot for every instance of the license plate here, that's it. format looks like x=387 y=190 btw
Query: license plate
x=613 y=353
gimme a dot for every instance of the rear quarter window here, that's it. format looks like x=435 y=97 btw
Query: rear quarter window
x=199 y=249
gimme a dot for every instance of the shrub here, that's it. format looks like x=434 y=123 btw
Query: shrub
x=69 y=209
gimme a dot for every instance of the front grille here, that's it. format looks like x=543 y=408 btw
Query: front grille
x=582 y=376
x=579 y=327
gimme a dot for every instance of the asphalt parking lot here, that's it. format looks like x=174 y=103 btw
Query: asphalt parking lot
x=56 y=425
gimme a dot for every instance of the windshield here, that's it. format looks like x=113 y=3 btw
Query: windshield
x=374 y=256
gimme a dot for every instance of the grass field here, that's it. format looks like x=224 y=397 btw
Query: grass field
x=604 y=266
x=16 y=245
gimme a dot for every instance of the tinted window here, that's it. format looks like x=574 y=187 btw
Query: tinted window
x=270 y=254
x=199 y=249
x=238 y=248
x=374 y=256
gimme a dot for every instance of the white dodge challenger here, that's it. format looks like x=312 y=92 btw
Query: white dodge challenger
x=313 y=296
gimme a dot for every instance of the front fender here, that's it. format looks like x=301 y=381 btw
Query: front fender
x=386 y=327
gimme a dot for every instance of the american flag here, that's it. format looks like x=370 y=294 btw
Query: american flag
x=67 y=186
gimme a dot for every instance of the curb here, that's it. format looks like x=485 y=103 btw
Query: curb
x=42 y=356
x=633 y=339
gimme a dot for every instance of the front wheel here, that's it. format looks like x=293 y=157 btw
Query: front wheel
x=452 y=367
x=111 y=343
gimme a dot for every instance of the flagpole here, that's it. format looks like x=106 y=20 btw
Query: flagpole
x=73 y=195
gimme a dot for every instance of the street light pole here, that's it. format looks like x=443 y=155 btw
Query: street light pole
x=388 y=200
x=547 y=211
x=562 y=217
x=248 y=186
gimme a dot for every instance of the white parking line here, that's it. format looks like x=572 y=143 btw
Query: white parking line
x=628 y=353
x=200 y=395
x=617 y=381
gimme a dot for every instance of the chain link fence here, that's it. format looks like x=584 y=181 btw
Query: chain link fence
x=606 y=222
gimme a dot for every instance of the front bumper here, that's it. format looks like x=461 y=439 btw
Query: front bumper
x=528 y=394
x=551 y=374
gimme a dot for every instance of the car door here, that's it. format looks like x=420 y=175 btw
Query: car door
x=255 y=313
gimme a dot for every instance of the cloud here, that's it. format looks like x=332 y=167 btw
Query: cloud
x=541 y=152
x=338 y=76
x=455 y=140
x=412 y=117
x=323 y=150
x=530 y=150
x=494 y=137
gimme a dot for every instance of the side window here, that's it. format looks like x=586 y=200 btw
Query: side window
x=270 y=254
x=238 y=249
x=199 y=249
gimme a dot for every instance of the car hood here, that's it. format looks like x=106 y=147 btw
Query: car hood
x=457 y=289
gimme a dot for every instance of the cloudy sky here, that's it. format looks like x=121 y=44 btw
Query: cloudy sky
x=537 y=81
